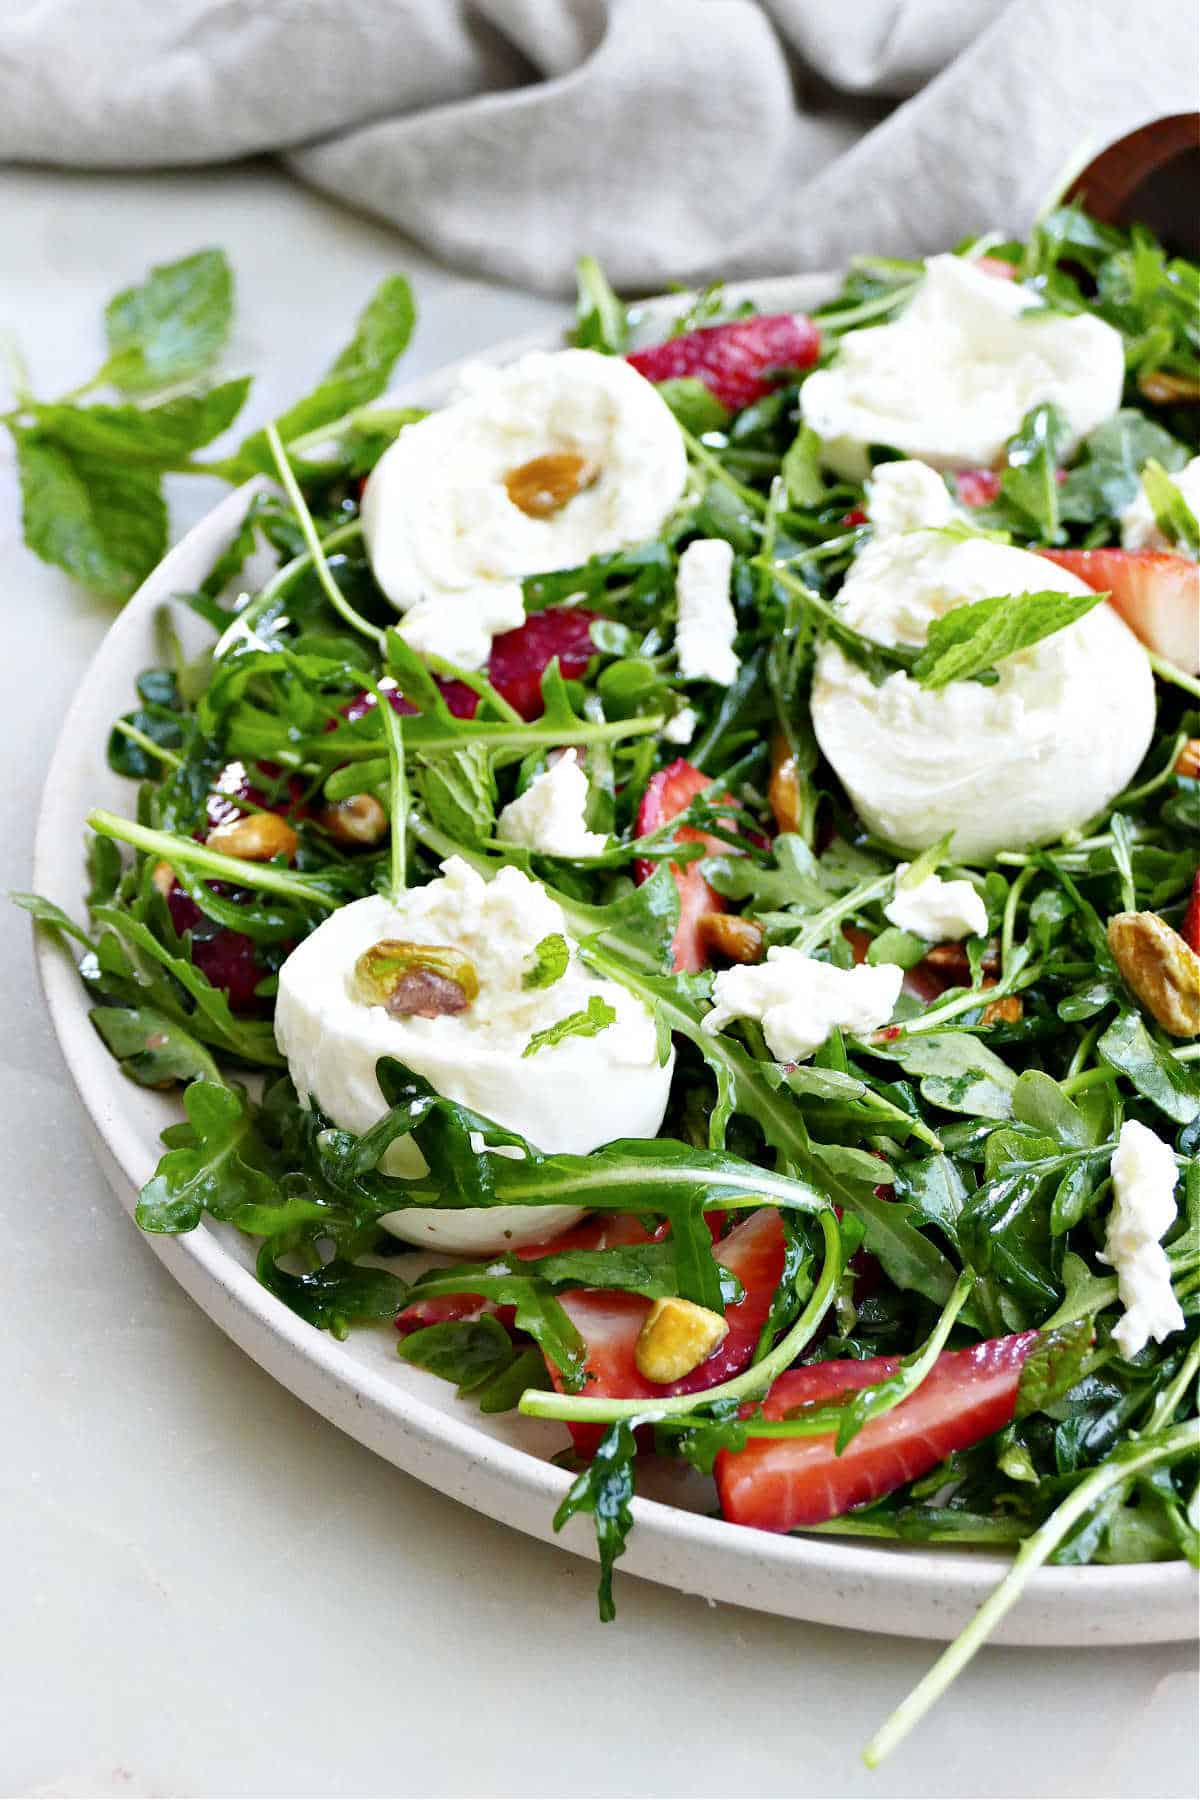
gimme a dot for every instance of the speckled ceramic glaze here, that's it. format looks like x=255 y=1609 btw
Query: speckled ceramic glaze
x=501 y=1465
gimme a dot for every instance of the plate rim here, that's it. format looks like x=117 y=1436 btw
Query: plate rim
x=918 y=1591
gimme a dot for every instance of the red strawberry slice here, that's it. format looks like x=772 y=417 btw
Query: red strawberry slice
x=515 y=668
x=781 y=1484
x=1157 y=594
x=520 y=658
x=738 y=362
x=668 y=793
x=1190 y=929
x=603 y=1231
x=609 y=1324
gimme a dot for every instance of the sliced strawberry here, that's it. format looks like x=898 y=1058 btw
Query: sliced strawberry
x=781 y=1484
x=609 y=1323
x=856 y=516
x=443 y=1307
x=520 y=658
x=999 y=266
x=1190 y=929
x=1157 y=594
x=738 y=362
x=668 y=793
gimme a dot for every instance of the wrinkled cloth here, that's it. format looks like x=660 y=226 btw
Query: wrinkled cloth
x=675 y=139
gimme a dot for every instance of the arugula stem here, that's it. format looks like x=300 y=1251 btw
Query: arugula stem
x=1168 y=672
x=282 y=579
x=333 y=592
x=478 y=684
x=822 y=924
x=168 y=847
x=699 y=453
x=1086 y=1045
x=936 y=1017
x=147 y=744
x=1008 y=928
x=1172 y=1395
x=538 y=1404
x=393 y=731
x=1150 y=1453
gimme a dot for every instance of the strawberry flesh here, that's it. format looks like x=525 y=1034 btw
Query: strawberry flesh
x=782 y=1484
x=1156 y=593
x=520 y=658
x=669 y=793
x=227 y=958
x=738 y=362
x=609 y=1323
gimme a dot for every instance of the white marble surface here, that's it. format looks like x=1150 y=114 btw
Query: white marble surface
x=206 y=1589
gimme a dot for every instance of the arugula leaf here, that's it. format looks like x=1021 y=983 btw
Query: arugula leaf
x=358 y=374
x=601 y=322
x=1053 y=1366
x=51 y=916
x=801 y=470
x=1113 y=456
x=550 y=961
x=151 y=1048
x=957 y=1072
x=598 y=1015
x=334 y=1294
x=536 y=1306
x=104 y=523
x=172 y=325
x=1030 y=481
x=206 y=1167
x=605 y=1489
x=647 y=1269
x=694 y=406
x=971 y=639
x=155 y=436
x=1172 y=514
x=1038 y=1101
x=1128 y=1047
x=468 y=1352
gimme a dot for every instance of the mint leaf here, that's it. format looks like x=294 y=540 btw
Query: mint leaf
x=550 y=960
x=1172 y=514
x=104 y=524
x=973 y=638
x=601 y=322
x=172 y=326
x=598 y=1016
x=357 y=375
x=152 y=435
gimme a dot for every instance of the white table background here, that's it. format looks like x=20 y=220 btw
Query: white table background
x=204 y=1588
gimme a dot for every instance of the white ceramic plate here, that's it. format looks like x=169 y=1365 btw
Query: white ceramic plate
x=499 y=1465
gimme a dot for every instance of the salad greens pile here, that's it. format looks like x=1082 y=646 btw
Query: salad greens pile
x=961 y=1156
